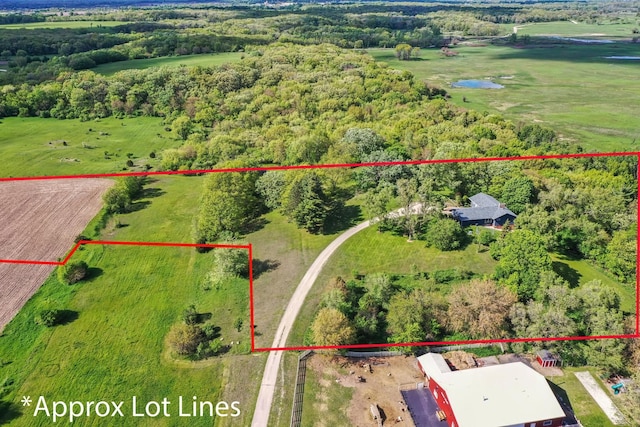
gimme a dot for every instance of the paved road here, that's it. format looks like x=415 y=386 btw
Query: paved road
x=270 y=376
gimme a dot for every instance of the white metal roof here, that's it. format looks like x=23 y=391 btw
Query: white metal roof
x=433 y=363
x=499 y=395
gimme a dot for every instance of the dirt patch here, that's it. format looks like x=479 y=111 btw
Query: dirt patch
x=38 y=222
x=382 y=379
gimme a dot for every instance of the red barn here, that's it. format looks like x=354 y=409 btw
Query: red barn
x=509 y=395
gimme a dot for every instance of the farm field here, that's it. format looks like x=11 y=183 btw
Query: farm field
x=140 y=292
x=62 y=24
x=39 y=222
x=572 y=89
x=35 y=147
x=204 y=60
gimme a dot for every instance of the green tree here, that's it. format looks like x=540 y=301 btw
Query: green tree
x=403 y=51
x=445 y=234
x=331 y=327
x=182 y=127
x=72 y=272
x=620 y=257
x=304 y=202
x=116 y=200
x=228 y=204
x=48 y=318
x=270 y=186
x=522 y=259
x=517 y=193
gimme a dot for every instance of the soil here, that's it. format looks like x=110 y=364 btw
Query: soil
x=381 y=386
x=39 y=221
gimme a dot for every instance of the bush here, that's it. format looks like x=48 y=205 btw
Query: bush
x=190 y=316
x=48 y=318
x=185 y=339
x=72 y=272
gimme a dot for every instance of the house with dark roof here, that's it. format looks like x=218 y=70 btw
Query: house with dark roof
x=484 y=210
x=508 y=395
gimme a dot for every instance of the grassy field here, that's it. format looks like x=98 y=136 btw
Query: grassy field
x=62 y=24
x=34 y=146
x=207 y=60
x=572 y=89
x=116 y=347
x=573 y=29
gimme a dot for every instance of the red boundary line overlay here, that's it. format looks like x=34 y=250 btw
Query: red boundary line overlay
x=345 y=165
x=324 y=166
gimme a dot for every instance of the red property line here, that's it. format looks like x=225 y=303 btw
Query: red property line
x=444 y=343
x=325 y=166
x=329 y=166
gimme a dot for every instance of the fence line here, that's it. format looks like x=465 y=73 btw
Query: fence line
x=298 y=394
x=364 y=354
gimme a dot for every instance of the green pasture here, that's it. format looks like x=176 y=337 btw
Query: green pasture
x=572 y=89
x=574 y=29
x=34 y=146
x=115 y=348
x=204 y=60
x=61 y=24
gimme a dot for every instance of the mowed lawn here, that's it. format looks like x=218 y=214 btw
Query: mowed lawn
x=35 y=147
x=572 y=391
x=204 y=60
x=572 y=89
x=115 y=349
x=62 y=24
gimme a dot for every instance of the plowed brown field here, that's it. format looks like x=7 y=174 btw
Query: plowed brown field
x=39 y=221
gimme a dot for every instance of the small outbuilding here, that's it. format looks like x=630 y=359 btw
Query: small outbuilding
x=548 y=360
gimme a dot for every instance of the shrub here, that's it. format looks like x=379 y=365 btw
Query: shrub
x=185 y=339
x=189 y=315
x=72 y=272
x=48 y=318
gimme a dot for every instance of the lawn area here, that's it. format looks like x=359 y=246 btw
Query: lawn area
x=586 y=409
x=115 y=348
x=573 y=29
x=35 y=147
x=570 y=88
x=370 y=251
x=204 y=60
x=578 y=272
x=62 y=24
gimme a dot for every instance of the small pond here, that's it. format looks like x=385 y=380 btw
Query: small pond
x=477 y=84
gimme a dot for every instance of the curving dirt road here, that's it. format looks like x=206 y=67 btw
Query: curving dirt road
x=270 y=376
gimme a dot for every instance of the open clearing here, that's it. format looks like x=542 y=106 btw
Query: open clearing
x=36 y=147
x=62 y=24
x=572 y=89
x=204 y=60
x=39 y=221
